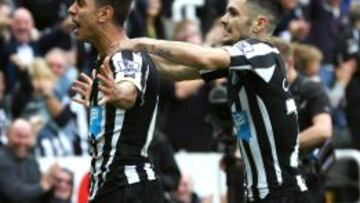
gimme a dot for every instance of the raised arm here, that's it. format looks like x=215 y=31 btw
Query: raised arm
x=182 y=53
x=173 y=71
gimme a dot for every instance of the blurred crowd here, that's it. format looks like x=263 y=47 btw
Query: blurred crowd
x=40 y=59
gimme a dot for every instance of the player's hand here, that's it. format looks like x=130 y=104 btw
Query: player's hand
x=107 y=84
x=83 y=88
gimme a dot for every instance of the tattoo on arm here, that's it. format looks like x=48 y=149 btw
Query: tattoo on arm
x=161 y=52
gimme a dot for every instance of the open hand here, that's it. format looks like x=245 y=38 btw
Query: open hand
x=83 y=88
x=107 y=84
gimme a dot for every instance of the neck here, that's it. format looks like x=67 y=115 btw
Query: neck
x=108 y=39
x=292 y=75
x=150 y=21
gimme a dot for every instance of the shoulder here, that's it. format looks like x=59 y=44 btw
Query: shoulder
x=127 y=60
x=313 y=89
x=254 y=47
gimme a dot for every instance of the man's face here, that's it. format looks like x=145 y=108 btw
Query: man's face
x=63 y=186
x=84 y=16
x=57 y=64
x=22 y=25
x=20 y=138
x=236 y=21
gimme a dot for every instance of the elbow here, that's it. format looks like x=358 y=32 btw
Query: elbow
x=325 y=132
x=125 y=102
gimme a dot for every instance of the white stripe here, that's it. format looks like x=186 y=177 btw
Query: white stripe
x=249 y=175
x=260 y=49
x=270 y=134
x=149 y=171
x=254 y=147
x=266 y=73
x=244 y=67
x=139 y=60
x=47 y=146
x=59 y=151
x=234 y=51
x=118 y=125
x=301 y=183
x=131 y=174
x=294 y=158
x=65 y=143
x=150 y=133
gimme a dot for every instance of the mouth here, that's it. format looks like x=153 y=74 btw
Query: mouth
x=76 y=26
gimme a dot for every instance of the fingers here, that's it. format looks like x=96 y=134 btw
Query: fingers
x=81 y=85
x=93 y=74
x=105 y=81
x=105 y=69
x=104 y=100
x=78 y=89
x=81 y=101
x=105 y=90
x=86 y=79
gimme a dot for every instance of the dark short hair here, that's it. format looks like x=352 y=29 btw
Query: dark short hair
x=272 y=8
x=121 y=9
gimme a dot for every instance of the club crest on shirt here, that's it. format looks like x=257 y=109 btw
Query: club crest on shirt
x=129 y=68
x=245 y=47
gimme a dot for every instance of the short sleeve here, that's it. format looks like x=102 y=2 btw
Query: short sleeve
x=320 y=102
x=253 y=55
x=129 y=66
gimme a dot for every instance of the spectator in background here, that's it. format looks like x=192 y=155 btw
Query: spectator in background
x=24 y=46
x=5 y=21
x=314 y=112
x=162 y=155
x=349 y=60
x=64 y=186
x=325 y=17
x=293 y=26
x=185 y=104
x=307 y=60
x=4 y=120
x=146 y=20
x=20 y=177
x=58 y=62
x=56 y=11
x=185 y=193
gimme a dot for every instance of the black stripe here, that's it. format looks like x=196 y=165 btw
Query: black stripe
x=212 y=75
x=263 y=140
x=239 y=61
x=93 y=162
x=110 y=117
x=253 y=169
x=263 y=61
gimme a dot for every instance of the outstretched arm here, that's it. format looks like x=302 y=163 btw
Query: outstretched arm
x=173 y=71
x=182 y=53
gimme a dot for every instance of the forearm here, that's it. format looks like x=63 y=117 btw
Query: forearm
x=173 y=71
x=313 y=136
x=185 y=53
x=54 y=106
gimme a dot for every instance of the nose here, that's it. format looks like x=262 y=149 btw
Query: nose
x=224 y=19
x=72 y=10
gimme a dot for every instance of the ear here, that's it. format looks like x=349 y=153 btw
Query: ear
x=105 y=14
x=261 y=24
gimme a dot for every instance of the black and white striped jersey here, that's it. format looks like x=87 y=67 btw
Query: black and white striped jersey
x=120 y=138
x=265 y=118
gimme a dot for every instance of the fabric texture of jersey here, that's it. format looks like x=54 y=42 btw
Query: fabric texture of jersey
x=120 y=138
x=265 y=118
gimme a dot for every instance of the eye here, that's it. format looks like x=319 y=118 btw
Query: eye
x=232 y=12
